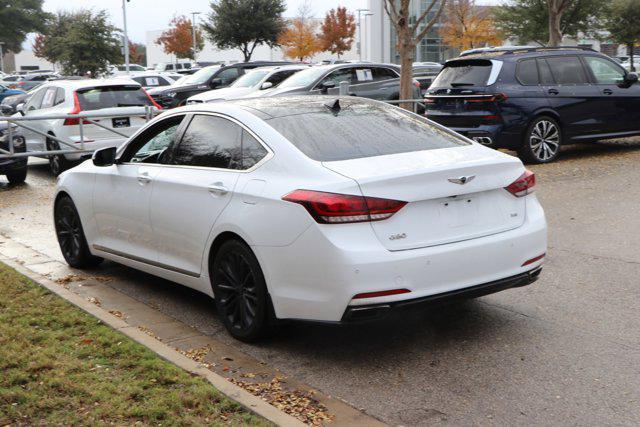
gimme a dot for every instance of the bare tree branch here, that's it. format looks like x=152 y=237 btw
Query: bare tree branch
x=430 y=24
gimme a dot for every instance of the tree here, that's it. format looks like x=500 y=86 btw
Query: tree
x=466 y=26
x=17 y=19
x=178 y=39
x=410 y=31
x=82 y=42
x=299 y=40
x=245 y=24
x=338 y=31
x=623 y=23
x=137 y=53
x=529 y=20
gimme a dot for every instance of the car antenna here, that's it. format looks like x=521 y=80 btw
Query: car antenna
x=334 y=106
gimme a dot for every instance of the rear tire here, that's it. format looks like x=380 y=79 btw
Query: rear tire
x=71 y=238
x=17 y=177
x=58 y=163
x=240 y=292
x=542 y=141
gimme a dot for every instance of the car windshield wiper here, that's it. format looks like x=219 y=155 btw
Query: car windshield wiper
x=457 y=84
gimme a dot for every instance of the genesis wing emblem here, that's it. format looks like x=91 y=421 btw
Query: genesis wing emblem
x=462 y=180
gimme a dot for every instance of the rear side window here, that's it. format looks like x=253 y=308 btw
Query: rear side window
x=546 y=78
x=464 y=73
x=527 y=72
x=112 y=96
x=361 y=130
x=383 y=74
x=567 y=70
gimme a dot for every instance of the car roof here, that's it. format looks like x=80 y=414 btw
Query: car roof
x=517 y=52
x=87 y=83
x=272 y=107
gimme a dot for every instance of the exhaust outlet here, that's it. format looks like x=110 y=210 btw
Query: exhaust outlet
x=484 y=140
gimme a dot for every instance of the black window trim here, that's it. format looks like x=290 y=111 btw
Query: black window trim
x=592 y=77
x=180 y=133
x=125 y=148
x=535 y=61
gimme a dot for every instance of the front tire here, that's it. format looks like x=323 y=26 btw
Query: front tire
x=71 y=238
x=17 y=177
x=240 y=292
x=542 y=141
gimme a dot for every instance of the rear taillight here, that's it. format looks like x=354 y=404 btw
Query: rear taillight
x=490 y=98
x=76 y=110
x=523 y=185
x=332 y=208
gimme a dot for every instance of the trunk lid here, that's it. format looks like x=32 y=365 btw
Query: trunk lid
x=440 y=211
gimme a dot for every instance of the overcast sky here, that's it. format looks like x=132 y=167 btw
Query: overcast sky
x=146 y=15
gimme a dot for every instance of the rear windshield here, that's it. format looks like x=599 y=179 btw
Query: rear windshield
x=361 y=130
x=112 y=96
x=464 y=73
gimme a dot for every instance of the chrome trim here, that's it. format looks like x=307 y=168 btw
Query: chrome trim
x=145 y=261
x=265 y=159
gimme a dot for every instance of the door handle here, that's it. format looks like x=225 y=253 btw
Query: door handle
x=607 y=92
x=144 y=178
x=553 y=91
x=218 y=188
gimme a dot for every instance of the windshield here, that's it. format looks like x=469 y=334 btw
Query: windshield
x=250 y=79
x=112 y=96
x=303 y=78
x=361 y=130
x=200 y=77
x=464 y=73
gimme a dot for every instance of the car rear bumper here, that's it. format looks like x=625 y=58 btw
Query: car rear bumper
x=317 y=276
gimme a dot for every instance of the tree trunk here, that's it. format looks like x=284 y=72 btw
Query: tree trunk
x=406 y=76
x=555 y=34
x=630 y=48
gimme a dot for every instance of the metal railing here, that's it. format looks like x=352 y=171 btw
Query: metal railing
x=88 y=118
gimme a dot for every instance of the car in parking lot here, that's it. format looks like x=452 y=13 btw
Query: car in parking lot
x=311 y=208
x=29 y=81
x=109 y=97
x=368 y=80
x=6 y=92
x=535 y=99
x=152 y=79
x=250 y=84
x=14 y=168
x=208 y=78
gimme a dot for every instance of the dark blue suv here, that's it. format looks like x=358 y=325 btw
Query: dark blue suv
x=533 y=100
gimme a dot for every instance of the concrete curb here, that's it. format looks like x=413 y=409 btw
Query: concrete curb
x=244 y=398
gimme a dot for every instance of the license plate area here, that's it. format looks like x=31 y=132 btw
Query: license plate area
x=120 y=122
x=459 y=211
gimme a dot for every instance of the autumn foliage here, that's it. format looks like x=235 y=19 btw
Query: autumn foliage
x=467 y=26
x=299 y=40
x=338 y=31
x=178 y=40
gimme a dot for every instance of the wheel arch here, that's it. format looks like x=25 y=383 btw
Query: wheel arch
x=220 y=239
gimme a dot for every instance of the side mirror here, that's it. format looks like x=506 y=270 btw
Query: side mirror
x=630 y=79
x=20 y=108
x=7 y=110
x=104 y=157
x=215 y=83
x=266 y=85
x=324 y=87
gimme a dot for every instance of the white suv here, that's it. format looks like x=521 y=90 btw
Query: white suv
x=111 y=97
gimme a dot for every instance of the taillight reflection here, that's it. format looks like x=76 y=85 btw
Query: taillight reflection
x=523 y=185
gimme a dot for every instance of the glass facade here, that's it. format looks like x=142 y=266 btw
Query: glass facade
x=431 y=48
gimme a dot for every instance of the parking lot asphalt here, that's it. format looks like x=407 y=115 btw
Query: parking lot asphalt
x=565 y=350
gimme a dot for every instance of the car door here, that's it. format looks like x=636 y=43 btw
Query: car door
x=620 y=103
x=566 y=85
x=122 y=193
x=333 y=79
x=35 y=141
x=193 y=189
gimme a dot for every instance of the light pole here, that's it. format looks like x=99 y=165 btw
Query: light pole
x=193 y=28
x=126 y=37
x=360 y=30
x=1 y=57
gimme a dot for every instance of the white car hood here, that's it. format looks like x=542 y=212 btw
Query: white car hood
x=225 y=93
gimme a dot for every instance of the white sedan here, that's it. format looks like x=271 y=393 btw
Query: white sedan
x=313 y=208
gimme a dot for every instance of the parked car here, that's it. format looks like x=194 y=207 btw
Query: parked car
x=121 y=70
x=313 y=208
x=177 y=67
x=5 y=92
x=15 y=169
x=122 y=99
x=29 y=81
x=535 y=100
x=152 y=80
x=368 y=80
x=9 y=79
x=259 y=79
x=425 y=73
x=208 y=78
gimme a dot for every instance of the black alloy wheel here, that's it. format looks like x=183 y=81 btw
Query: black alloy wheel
x=71 y=239
x=240 y=291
